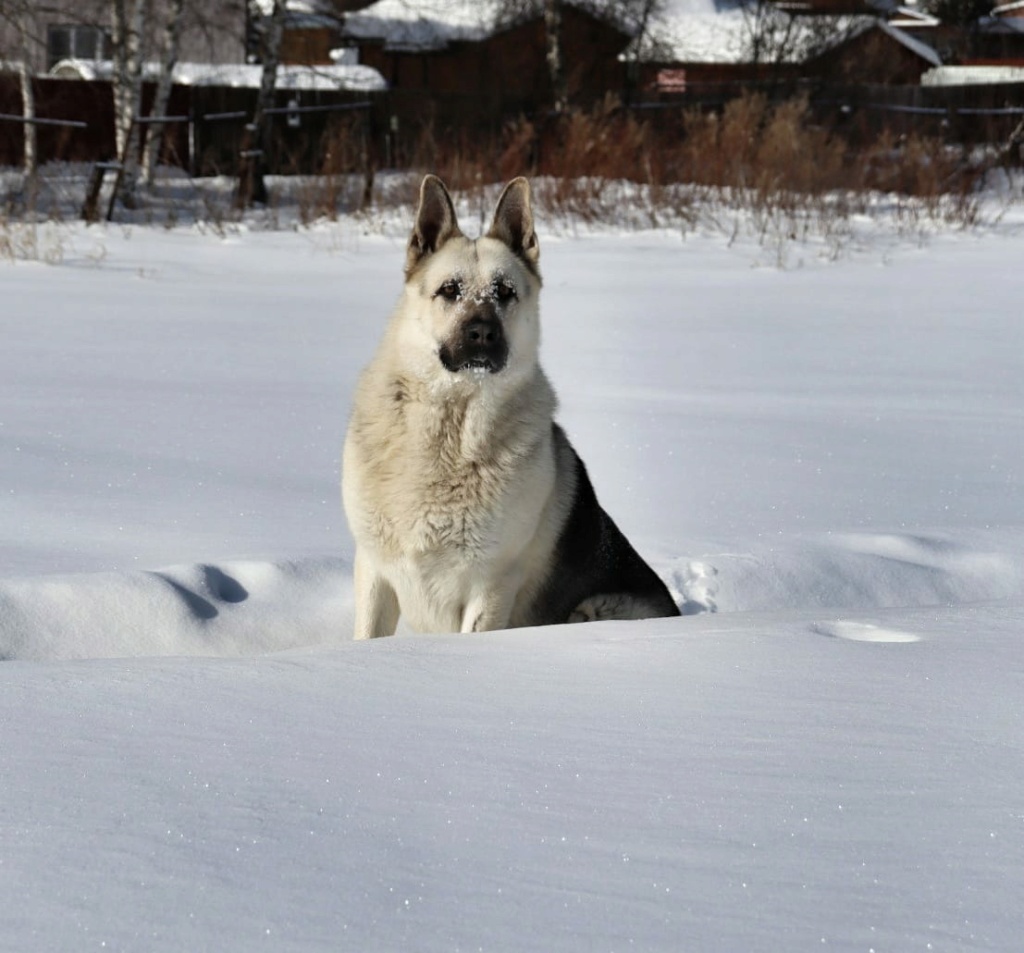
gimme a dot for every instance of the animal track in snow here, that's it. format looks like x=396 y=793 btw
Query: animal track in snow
x=862 y=632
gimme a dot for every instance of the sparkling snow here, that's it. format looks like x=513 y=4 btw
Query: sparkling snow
x=826 y=463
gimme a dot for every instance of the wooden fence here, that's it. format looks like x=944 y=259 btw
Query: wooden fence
x=314 y=132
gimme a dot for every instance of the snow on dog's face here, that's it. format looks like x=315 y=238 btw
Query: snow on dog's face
x=472 y=304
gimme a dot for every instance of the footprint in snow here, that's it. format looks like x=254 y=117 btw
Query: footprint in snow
x=862 y=632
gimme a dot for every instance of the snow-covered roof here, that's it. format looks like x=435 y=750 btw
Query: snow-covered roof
x=723 y=31
x=1015 y=9
x=900 y=16
x=702 y=31
x=424 y=25
x=335 y=77
x=1012 y=22
x=972 y=75
x=302 y=13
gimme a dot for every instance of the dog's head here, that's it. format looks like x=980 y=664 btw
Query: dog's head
x=473 y=303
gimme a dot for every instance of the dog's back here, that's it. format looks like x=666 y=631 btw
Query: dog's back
x=595 y=571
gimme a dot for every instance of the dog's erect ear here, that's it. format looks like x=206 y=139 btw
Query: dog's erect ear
x=513 y=221
x=435 y=222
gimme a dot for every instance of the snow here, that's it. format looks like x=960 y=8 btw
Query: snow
x=423 y=24
x=830 y=457
x=972 y=75
x=333 y=77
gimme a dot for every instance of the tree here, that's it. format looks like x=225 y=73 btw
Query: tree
x=963 y=16
x=638 y=18
x=169 y=58
x=553 y=55
x=17 y=17
x=255 y=146
x=129 y=19
x=775 y=36
x=28 y=98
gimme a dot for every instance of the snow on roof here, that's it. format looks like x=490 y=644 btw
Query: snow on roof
x=306 y=12
x=972 y=75
x=422 y=24
x=901 y=16
x=244 y=76
x=1015 y=9
x=432 y=24
x=723 y=31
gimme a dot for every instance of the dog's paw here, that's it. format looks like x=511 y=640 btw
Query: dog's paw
x=606 y=607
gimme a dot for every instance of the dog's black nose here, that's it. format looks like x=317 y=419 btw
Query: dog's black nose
x=482 y=333
x=477 y=343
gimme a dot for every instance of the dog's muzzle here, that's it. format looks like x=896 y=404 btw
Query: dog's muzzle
x=477 y=344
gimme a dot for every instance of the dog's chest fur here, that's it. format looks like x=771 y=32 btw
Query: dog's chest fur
x=442 y=478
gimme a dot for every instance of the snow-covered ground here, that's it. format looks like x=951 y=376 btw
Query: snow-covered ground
x=826 y=463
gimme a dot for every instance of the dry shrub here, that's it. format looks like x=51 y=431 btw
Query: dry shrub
x=941 y=183
x=757 y=145
x=580 y=154
x=345 y=178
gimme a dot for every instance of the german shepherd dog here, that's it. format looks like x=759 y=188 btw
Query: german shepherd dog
x=469 y=507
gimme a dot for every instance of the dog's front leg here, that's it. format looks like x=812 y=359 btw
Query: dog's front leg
x=491 y=610
x=376 y=602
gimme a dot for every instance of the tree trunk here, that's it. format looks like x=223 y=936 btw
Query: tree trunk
x=171 y=44
x=28 y=102
x=129 y=19
x=556 y=68
x=255 y=147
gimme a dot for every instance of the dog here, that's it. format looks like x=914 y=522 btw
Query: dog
x=470 y=509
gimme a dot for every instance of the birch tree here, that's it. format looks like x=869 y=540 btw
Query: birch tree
x=28 y=97
x=16 y=19
x=170 y=45
x=128 y=22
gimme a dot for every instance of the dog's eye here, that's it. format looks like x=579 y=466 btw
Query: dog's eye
x=504 y=290
x=450 y=291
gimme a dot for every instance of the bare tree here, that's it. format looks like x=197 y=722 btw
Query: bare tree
x=252 y=164
x=962 y=16
x=553 y=55
x=16 y=17
x=128 y=21
x=637 y=18
x=28 y=98
x=173 y=23
x=775 y=36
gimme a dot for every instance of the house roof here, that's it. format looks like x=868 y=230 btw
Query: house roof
x=723 y=31
x=912 y=43
x=336 y=77
x=687 y=31
x=302 y=13
x=424 y=25
x=972 y=75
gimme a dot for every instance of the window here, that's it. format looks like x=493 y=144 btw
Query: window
x=76 y=41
